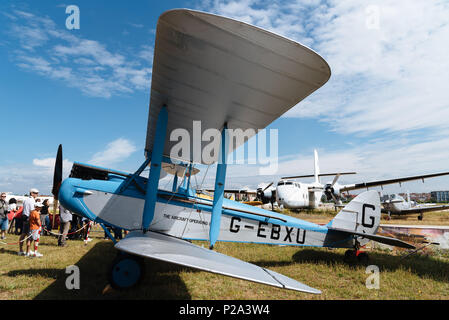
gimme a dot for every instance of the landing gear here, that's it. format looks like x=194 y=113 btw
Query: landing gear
x=356 y=256
x=126 y=271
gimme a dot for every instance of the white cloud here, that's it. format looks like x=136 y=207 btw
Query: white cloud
x=85 y=64
x=389 y=79
x=115 y=152
x=388 y=84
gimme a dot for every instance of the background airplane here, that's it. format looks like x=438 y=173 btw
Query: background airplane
x=297 y=195
x=395 y=204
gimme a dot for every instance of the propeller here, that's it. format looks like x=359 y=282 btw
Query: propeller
x=57 y=180
x=266 y=199
x=57 y=175
x=329 y=189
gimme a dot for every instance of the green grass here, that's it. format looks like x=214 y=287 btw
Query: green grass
x=416 y=277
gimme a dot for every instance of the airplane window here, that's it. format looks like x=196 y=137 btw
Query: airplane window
x=280 y=183
x=288 y=183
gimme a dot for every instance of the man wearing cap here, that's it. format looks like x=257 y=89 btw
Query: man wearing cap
x=28 y=206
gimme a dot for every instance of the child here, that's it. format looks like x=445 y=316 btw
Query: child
x=35 y=230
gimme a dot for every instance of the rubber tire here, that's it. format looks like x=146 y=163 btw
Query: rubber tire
x=363 y=257
x=126 y=271
x=349 y=256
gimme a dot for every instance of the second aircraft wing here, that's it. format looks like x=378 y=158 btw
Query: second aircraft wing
x=167 y=248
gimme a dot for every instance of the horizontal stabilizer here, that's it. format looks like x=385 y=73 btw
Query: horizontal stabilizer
x=382 y=239
x=166 y=248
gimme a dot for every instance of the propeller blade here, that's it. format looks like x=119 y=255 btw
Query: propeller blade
x=268 y=186
x=334 y=198
x=57 y=180
x=57 y=176
x=335 y=179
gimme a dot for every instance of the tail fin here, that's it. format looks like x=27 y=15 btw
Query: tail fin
x=361 y=215
x=361 y=218
x=317 y=168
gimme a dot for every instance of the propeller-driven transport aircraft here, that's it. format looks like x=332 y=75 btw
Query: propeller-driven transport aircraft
x=226 y=74
x=395 y=204
x=297 y=195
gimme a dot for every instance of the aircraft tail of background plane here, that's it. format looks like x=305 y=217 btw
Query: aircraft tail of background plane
x=316 y=167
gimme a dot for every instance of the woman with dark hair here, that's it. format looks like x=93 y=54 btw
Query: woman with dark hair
x=44 y=214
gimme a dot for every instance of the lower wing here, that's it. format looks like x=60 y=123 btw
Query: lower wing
x=170 y=249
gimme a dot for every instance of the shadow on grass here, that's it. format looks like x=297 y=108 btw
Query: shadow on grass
x=421 y=265
x=162 y=280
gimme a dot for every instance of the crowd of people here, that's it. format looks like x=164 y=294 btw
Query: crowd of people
x=33 y=219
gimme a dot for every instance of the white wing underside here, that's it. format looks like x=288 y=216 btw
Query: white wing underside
x=166 y=248
x=218 y=70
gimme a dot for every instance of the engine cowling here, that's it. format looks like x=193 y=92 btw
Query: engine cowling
x=332 y=192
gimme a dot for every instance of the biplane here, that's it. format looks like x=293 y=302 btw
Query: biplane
x=226 y=74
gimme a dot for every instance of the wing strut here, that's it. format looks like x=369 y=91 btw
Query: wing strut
x=155 y=170
x=219 y=189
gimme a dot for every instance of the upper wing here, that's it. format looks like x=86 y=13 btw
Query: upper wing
x=319 y=175
x=391 y=181
x=166 y=248
x=218 y=70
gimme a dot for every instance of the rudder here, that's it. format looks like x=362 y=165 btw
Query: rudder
x=361 y=215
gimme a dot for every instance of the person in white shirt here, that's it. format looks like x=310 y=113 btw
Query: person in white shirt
x=28 y=206
x=65 y=218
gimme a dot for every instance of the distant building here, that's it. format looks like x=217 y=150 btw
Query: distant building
x=418 y=197
x=440 y=196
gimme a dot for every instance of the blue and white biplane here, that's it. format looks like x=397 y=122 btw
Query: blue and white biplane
x=226 y=74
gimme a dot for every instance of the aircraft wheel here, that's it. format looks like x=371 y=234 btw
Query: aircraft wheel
x=420 y=217
x=126 y=271
x=363 y=257
x=349 y=256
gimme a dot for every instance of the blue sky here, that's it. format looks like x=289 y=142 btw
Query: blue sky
x=384 y=112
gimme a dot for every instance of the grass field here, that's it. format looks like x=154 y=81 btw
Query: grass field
x=416 y=277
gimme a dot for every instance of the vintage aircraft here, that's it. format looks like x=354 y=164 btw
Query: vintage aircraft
x=295 y=195
x=394 y=204
x=228 y=74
